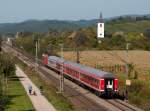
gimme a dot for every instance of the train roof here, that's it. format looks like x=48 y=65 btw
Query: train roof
x=91 y=71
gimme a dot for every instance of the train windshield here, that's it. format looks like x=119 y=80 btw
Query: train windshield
x=109 y=84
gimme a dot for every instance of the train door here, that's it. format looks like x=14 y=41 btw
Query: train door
x=109 y=85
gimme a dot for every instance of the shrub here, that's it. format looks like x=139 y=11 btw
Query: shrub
x=136 y=86
x=135 y=99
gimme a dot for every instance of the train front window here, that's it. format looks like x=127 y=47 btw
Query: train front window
x=109 y=83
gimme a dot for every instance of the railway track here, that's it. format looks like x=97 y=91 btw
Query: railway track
x=122 y=106
x=77 y=98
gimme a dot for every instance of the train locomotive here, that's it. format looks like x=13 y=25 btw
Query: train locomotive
x=103 y=83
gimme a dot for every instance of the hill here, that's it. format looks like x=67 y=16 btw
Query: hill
x=36 y=26
x=124 y=23
x=136 y=26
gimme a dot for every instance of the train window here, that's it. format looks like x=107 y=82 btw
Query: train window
x=70 y=71
x=93 y=81
x=82 y=75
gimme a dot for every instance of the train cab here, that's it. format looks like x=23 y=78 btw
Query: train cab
x=109 y=86
x=45 y=59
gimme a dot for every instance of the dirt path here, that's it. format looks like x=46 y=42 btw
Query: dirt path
x=39 y=102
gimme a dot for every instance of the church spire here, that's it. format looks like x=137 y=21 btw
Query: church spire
x=100 y=27
x=101 y=18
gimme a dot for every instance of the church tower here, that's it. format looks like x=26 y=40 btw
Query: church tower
x=100 y=27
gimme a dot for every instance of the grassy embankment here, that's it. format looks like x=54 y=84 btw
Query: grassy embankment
x=17 y=97
x=58 y=101
x=139 y=91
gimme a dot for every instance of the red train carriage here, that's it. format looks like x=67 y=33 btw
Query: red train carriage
x=102 y=82
x=45 y=59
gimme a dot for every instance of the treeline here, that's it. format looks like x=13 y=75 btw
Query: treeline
x=82 y=39
x=7 y=70
x=130 y=18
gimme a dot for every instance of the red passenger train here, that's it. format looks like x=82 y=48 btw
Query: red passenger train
x=101 y=82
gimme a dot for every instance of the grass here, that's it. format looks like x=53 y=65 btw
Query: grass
x=18 y=99
x=58 y=101
x=139 y=91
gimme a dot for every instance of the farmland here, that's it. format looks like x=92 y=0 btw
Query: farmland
x=141 y=59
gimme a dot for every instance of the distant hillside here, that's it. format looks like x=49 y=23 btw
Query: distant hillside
x=45 y=25
x=139 y=26
x=85 y=23
x=37 y=26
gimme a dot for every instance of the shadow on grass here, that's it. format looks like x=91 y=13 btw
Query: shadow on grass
x=15 y=78
x=27 y=110
x=8 y=100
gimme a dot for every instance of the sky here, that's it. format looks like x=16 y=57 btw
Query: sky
x=21 y=10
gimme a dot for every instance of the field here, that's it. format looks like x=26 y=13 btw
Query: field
x=141 y=59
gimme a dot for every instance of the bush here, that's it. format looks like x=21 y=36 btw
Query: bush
x=136 y=86
x=147 y=33
x=3 y=102
x=135 y=99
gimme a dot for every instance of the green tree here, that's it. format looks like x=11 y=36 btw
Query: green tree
x=7 y=66
x=132 y=36
x=147 y=33
x=7 y=69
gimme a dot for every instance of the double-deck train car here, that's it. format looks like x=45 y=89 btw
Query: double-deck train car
x=101 y=82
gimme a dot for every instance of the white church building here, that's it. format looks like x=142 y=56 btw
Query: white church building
x=100 y=28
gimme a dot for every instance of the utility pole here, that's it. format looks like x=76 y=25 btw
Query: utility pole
x=61 y=87
x=78 y=55
x=37 y=48
x=38 y=44
x=36 y=55
x=127 y=59
x=127 y=71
